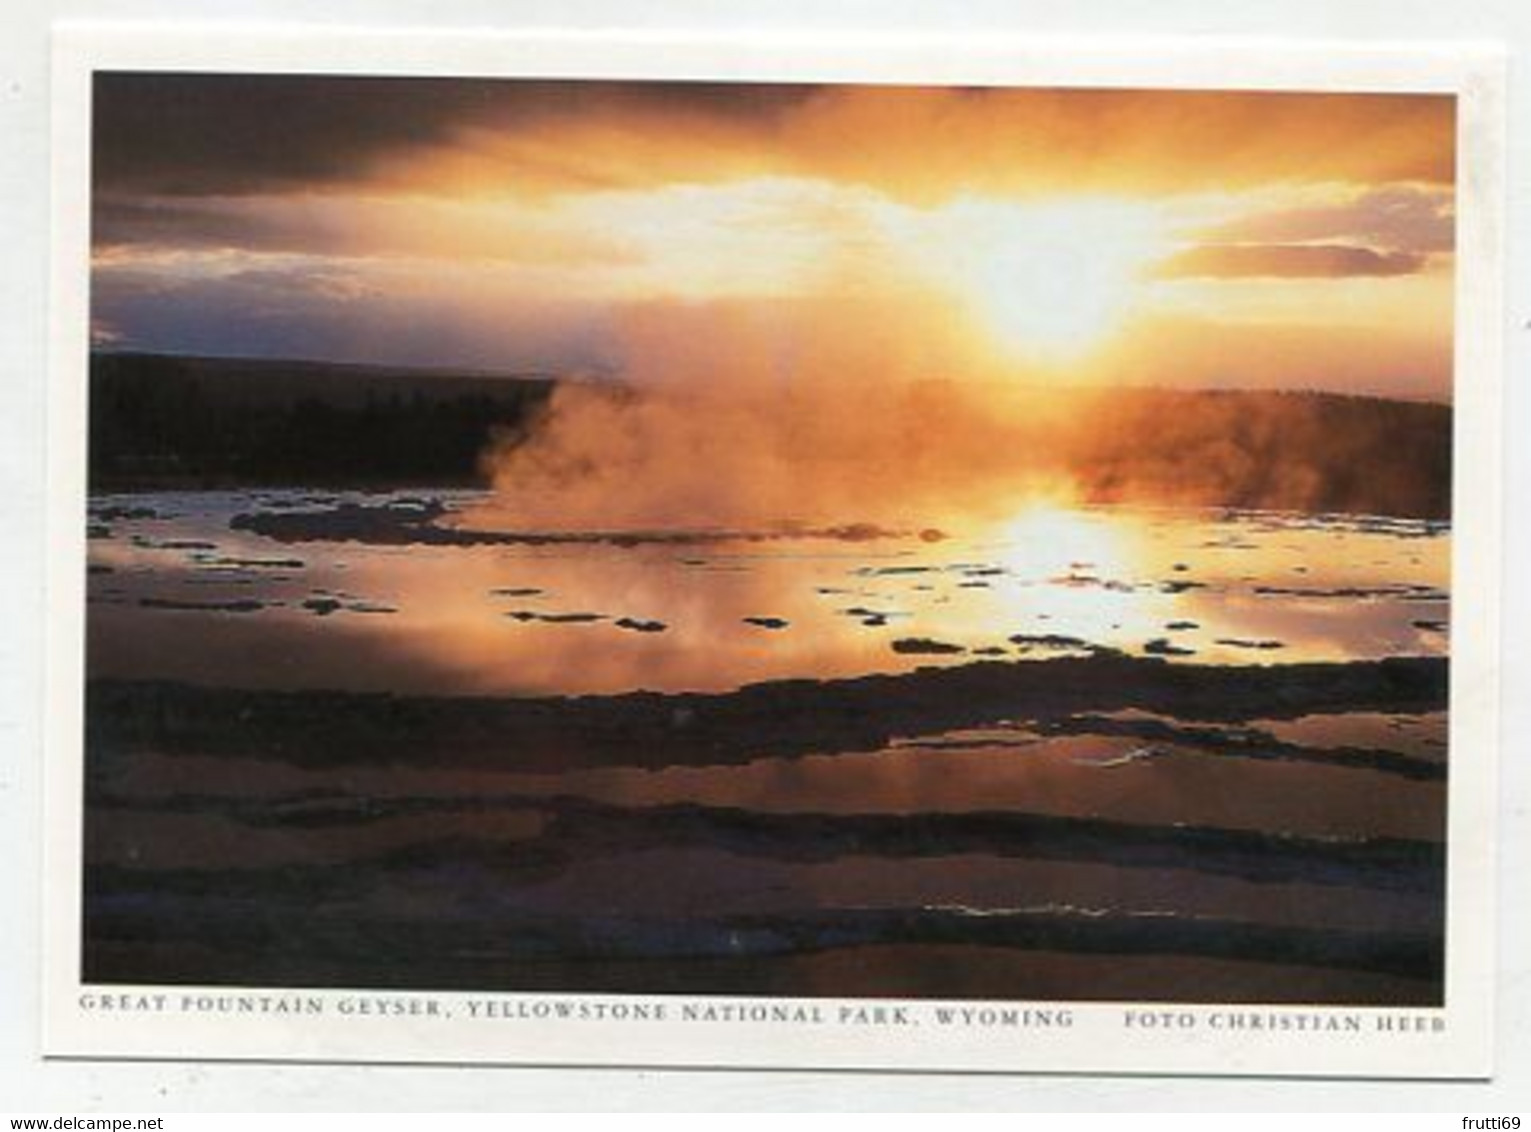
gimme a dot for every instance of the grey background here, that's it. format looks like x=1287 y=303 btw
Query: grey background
x=29 y=1084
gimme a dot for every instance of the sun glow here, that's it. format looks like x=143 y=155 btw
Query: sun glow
x=1084 y=560
x=1052 y=279
x=1046 y=540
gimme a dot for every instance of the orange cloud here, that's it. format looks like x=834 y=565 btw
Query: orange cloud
x=1286 y=261
x=606 y=226
x=1411 y=217
x=927 y=143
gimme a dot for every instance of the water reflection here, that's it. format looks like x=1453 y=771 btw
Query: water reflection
x=177 y=593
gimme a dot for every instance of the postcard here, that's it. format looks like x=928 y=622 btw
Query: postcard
x=864 y=554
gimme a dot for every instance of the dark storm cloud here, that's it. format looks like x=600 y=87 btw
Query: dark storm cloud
x=214 y=134
x=158 y=134
x=174 y=222
x=344 y=226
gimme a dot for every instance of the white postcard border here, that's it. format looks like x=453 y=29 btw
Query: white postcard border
x=191 y=1022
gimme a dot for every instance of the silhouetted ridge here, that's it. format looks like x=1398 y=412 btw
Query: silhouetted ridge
x=163 y=421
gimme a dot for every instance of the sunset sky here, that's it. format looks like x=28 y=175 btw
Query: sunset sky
x=672 y=232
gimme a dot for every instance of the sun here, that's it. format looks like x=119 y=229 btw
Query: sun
x=1082 y=557
x=1053 y=279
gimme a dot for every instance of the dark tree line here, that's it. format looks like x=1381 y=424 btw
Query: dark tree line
x=174 y=422
x=1286 y=450
x=165 y=422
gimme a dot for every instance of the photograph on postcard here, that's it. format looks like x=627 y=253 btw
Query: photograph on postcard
x=765 y=539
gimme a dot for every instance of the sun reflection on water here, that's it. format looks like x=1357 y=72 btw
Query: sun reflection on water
x=1050 y=579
